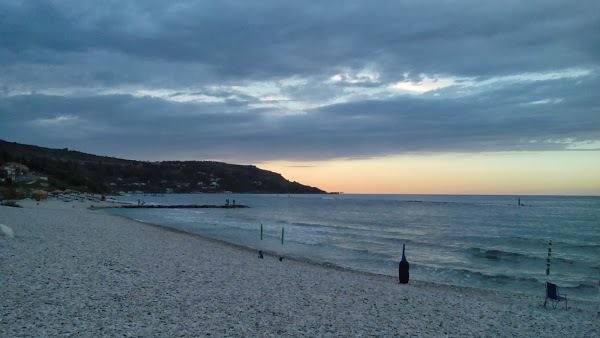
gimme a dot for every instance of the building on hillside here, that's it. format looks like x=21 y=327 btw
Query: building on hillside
x=12 y=170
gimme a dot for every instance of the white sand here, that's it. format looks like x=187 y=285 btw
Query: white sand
x=73 y=271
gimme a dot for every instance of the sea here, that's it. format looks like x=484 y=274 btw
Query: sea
x=488 y=242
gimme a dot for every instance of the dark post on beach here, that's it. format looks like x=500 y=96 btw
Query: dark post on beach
x=403 y=268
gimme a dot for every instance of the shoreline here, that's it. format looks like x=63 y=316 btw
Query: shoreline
x=70 y=270
x=325 y=265
x=524 y=281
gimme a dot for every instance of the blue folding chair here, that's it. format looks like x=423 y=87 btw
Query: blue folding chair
x=553 y=295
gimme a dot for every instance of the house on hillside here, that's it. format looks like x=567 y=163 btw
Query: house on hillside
x=12 y=170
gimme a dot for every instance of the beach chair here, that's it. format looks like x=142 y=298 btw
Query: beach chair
x=553 y=295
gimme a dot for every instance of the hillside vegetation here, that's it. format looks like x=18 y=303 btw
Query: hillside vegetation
x=68 y=169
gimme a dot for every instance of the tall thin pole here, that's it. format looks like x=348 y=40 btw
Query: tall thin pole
x=261 y=231
x=281 y=235
x=548 y=260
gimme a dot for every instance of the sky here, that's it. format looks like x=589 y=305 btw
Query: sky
x=439 y=97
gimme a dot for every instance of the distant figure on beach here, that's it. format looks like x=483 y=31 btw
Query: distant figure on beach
x=260 y=255
x=227 y=201
x=233 y=202
x=403 y=268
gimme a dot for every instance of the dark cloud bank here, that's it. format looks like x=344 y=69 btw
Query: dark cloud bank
x=248 y=81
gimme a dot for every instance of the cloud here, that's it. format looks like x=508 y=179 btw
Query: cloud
x=147 y=127
x=254 y=81
x=424 y=85
x=265 y=40
x=61 y=120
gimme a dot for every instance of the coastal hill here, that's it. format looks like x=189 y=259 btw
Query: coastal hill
x=26 y=166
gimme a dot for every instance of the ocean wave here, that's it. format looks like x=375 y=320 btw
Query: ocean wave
x=436 y=202
x=497 y=254
x=587 y=245
x=311 y=225
x=555 y=243
x=528 y=240
x=385 y=242
x=368 y=255
x=307 y=241
x=357 y=231
x=584 y=285
x=497 y=277
x=460 y=203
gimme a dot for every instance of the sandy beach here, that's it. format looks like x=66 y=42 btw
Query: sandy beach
x=74 y=271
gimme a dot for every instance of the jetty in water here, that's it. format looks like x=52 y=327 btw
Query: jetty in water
x=175 y=206
x=185 y=206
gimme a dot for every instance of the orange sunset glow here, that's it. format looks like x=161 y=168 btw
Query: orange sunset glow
x=554 y=173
